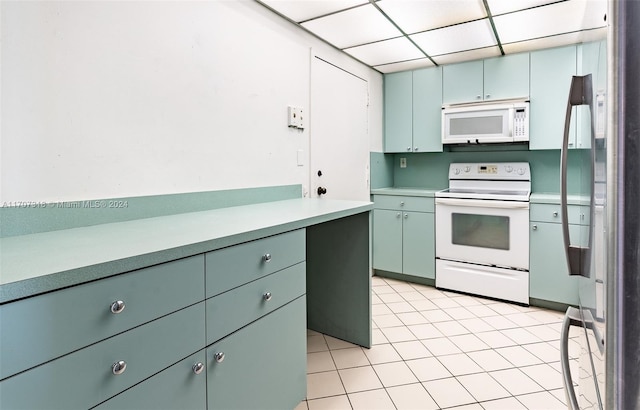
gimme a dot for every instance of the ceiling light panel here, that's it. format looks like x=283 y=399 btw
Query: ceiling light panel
x=556 y=41
x=404 y=66
x=476 y=54
x=360 y=25
x=413 y=16
x=299 y=11
x=558 y=18
x=384 y=52
x=461 y=37
x=507 y=6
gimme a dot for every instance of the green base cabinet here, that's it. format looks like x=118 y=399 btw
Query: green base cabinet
x=403 y=238
x=261 y=366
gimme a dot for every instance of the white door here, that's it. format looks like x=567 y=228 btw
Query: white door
x=339 y=141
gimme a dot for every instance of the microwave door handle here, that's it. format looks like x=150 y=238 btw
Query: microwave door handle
x=578 y=257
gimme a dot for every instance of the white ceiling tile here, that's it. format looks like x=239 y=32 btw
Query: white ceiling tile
x=301 y=10
x=360 y=25
x=383 y=52
x=506 y=6
x=558 y=18
x=413 y=16
x=404 y=66
x=467 y=55
x=461 y=37
x=555 y=41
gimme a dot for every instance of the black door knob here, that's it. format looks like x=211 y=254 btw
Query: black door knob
x=322 y=190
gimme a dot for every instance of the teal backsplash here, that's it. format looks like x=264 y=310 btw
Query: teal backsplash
x=430 y=170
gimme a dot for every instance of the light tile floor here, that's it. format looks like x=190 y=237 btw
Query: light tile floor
x=434 y=349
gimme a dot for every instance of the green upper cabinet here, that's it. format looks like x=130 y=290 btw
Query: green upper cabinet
x=427 y=106
x=462 y=82
x=398 y=103
x=486 y=80
x=551 y=72
x=412 y=104
x=592 y=59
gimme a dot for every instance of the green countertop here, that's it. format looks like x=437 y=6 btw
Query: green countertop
x=554 y=198
x=42 y=262
x=428 y=192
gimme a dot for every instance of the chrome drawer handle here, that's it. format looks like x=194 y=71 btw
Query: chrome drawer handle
x=219 y=357
x=198 y=368
x=401 y=203
x=406 y=216
x=555 y=214
x=398 y=215
x=267 y=296
x=267 y=257
x=535 y=227
x=117 y=307
x=118 y=367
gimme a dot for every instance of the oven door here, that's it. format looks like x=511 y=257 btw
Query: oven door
x=487 y=232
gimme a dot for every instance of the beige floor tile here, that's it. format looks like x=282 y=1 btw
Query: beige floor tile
x=313 y=333
x=320 y=362
x=464 y=300
x=481 y=310
x=334 y=343
x=398 y=334
x=413 y=349
x=378 y=281
x=375 y=299
x=377 y=337
x=476 y=325
x=503 y=308
x=402 y=287
x=324 y=384
x=425 y=331
x=472 y=406
x=316 y=343
x=424 y=304
x=516 y=382
x=547 y=316
x=459 y=313
x=559 y=394
x=359 y=379
x=521 y=336
x=351 y=357
x=382 y=289
x=444 y=303
x=371 y=400
x=387 y=321
x=495 y=339
x=427 y=369
x=411 y=397
x=460 y=364
x=547 y=333
x=380 y=309
x=489 y=360
x=412 y=318
x=451 y=328
x=394 y=374
x=441 y=346
x=468 y=343
x=412 y=296
x=509 y=403
x=401 y=307
x=391 y=297
x=302 y=406
x=544 y=351
x=448 y=392
x=541 y=401
x=330 y=403
x=499 y=322
x=483 y=387
x=384 y=353
x=518 y=356
x=545 y=375
x=524 y=319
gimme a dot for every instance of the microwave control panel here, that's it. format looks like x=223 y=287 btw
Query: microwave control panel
x=519 y=122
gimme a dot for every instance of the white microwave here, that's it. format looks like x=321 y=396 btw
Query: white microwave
x=486 y=123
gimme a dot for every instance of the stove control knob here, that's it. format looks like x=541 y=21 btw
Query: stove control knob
x=520 y=171
x=456 y=171
x=508 y=168
x=467 y=168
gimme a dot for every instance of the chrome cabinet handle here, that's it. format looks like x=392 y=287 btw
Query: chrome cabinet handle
x=198 y=368
x=398 y=215
x=415 y=149
x=117 y=307
x=555 y=214
x=488 y=96
x=478 y=97
x=406 y=216
x=401 y=203
x=119 y=367
x=267 y=257
x=534 y=227
x=578 y=257
x=219 y=357
x=267 y=296
x=408 y=148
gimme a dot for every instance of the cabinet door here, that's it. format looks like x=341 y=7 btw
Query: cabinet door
x=506 y=77
x=592 y=59
x=398 y=112
x=551 y=72
x=418 y=241
x=178 y=387
x=263 y=365
x=462 y=82
x=548 y=272
x=427 y=108
x=387 y=240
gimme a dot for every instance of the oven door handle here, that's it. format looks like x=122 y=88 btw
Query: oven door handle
x=480 y=203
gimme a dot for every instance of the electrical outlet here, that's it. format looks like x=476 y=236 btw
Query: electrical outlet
x=403 y=162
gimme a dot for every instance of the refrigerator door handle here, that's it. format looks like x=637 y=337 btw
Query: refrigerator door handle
x=571 y=318
x=578 y=257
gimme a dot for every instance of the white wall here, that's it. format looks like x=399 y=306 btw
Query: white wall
x=115 y=99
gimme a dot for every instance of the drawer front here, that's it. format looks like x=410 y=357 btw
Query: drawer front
x=236 y=265
x=54 y=324
x=238 y=307
x=264 y=364
x=177 y=387
x=403 y=203
x=85 y=378
x=578 y=215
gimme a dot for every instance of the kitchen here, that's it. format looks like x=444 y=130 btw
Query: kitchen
x=166 y=82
